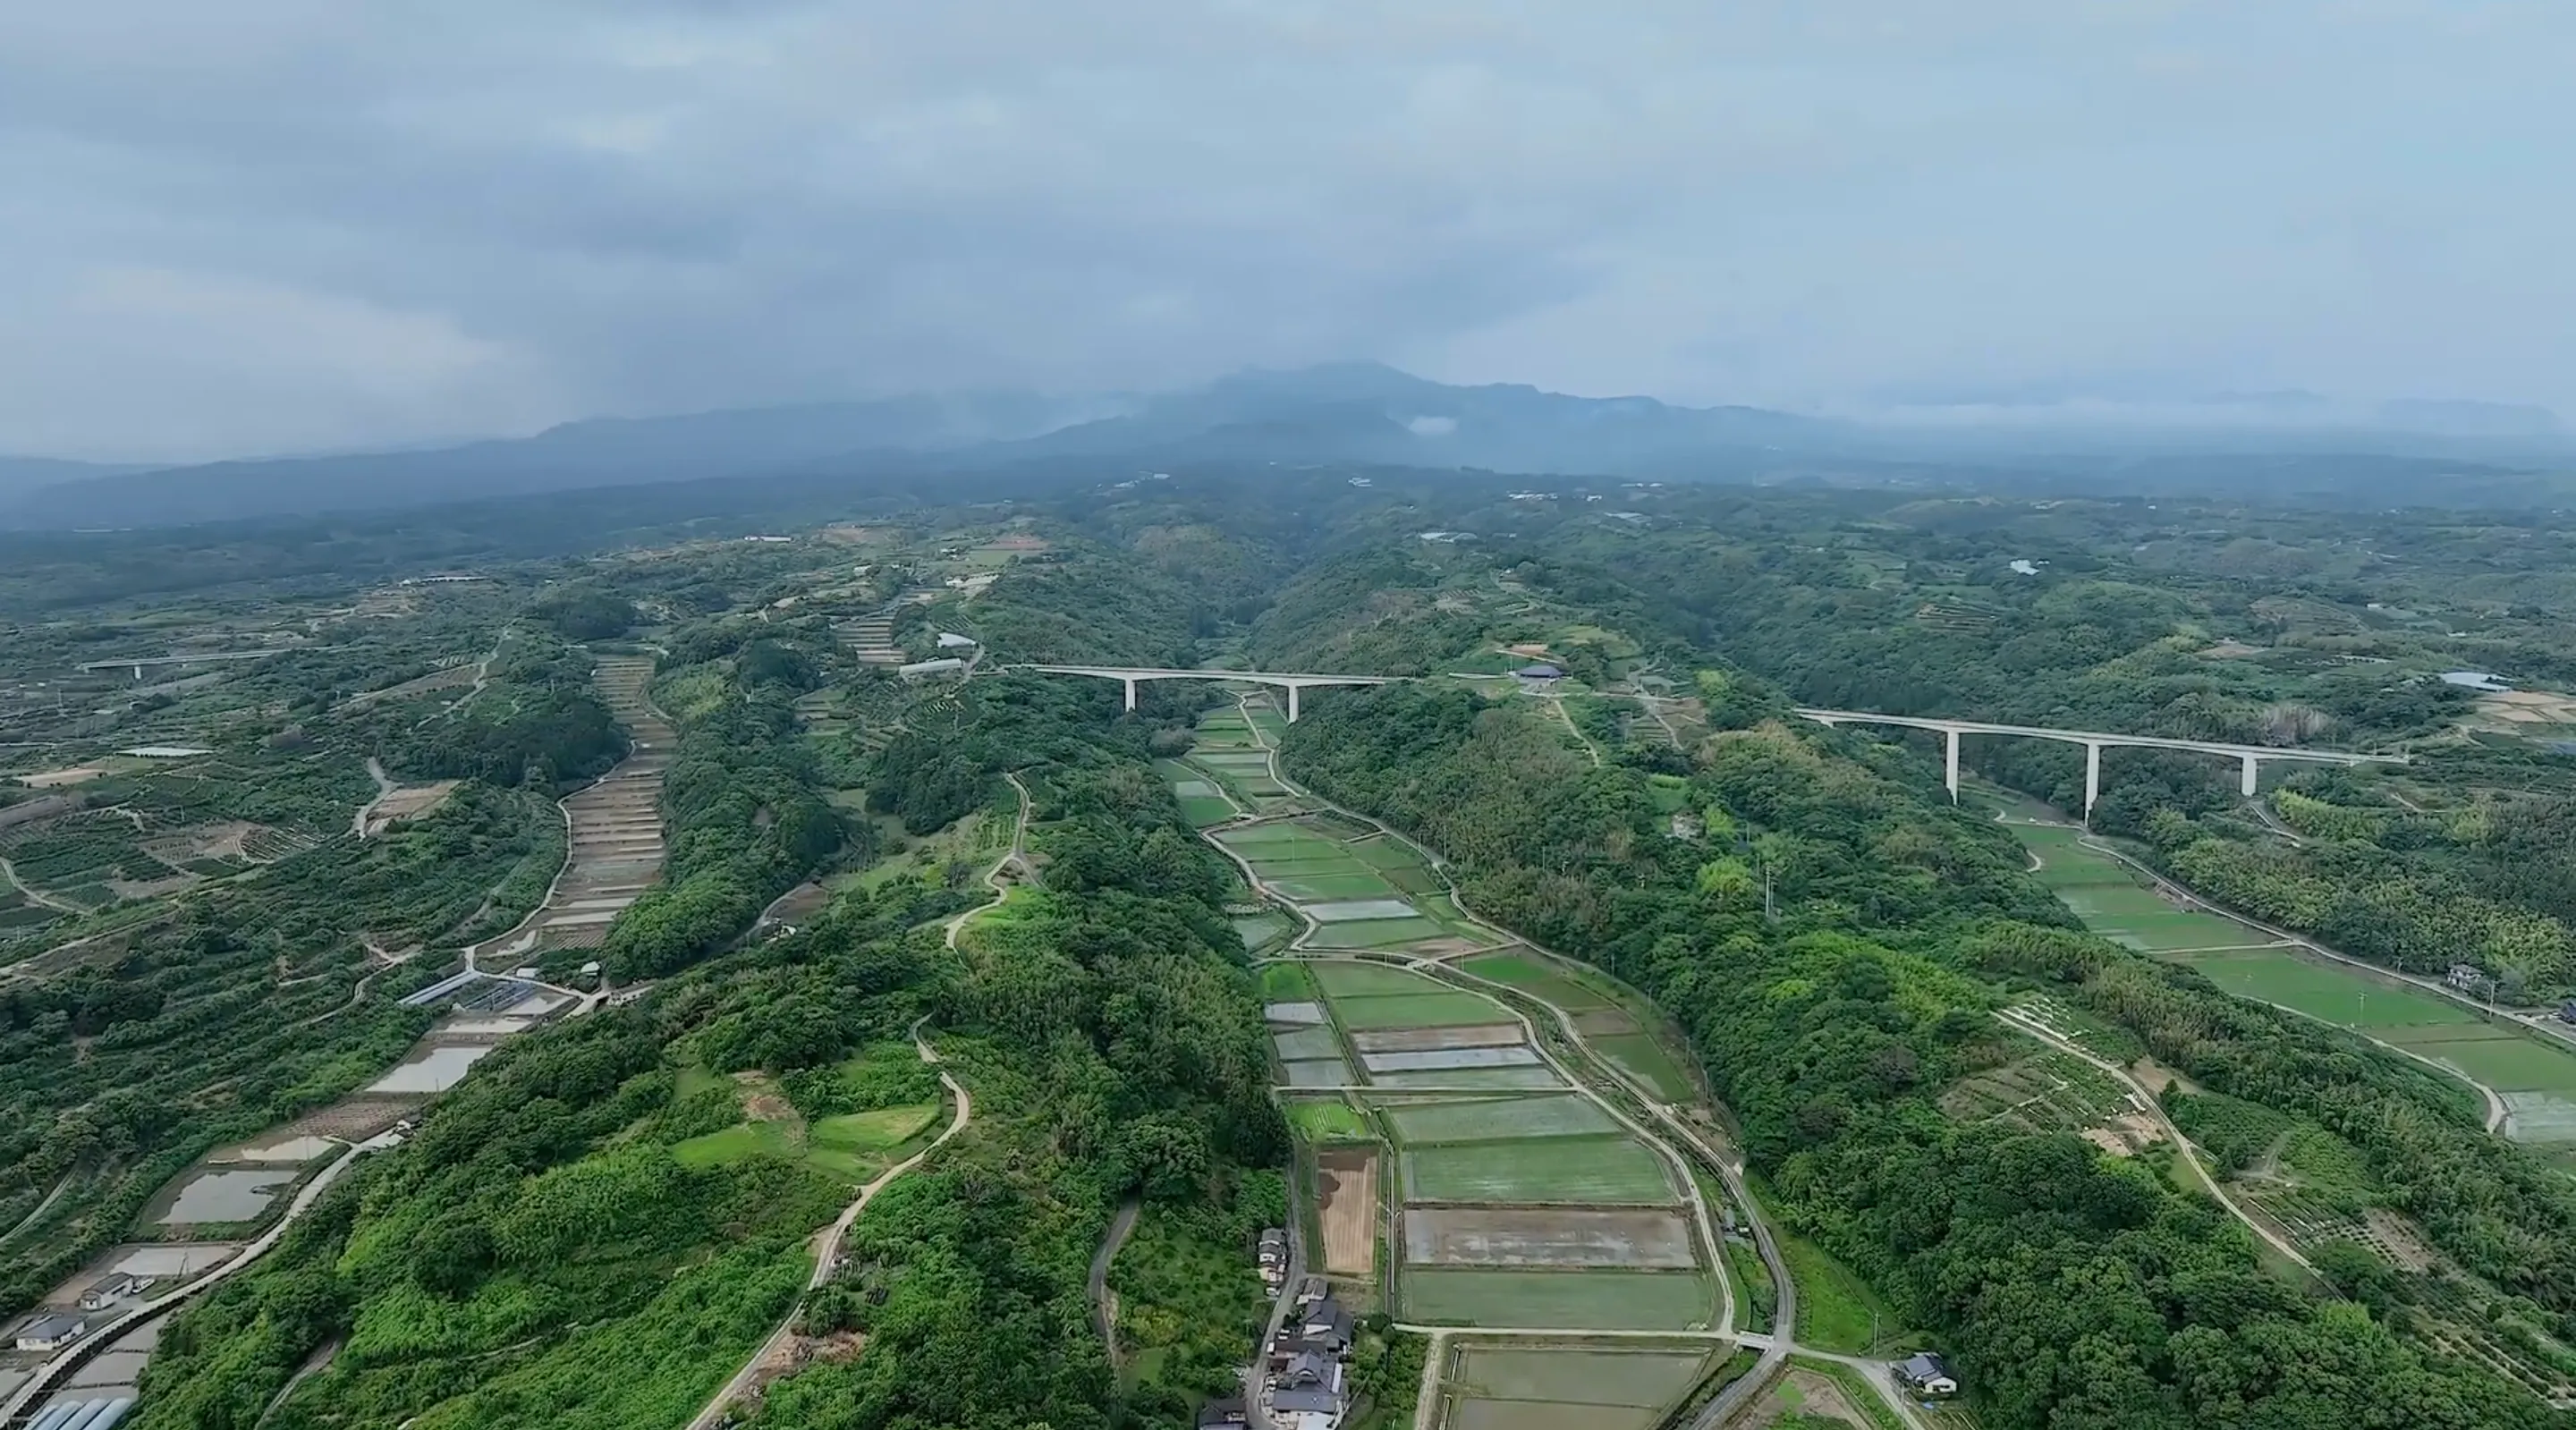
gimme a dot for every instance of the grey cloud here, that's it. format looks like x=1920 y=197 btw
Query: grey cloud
x=278 y=224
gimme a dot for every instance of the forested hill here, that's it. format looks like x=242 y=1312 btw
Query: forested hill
x=2074 y=1290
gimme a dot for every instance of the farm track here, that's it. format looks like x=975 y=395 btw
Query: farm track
x=31 y=1218
x=828 y=1248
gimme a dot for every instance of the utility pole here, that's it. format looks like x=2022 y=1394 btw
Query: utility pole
x=1770 y=910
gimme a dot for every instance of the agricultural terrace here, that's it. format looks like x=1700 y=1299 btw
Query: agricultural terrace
x=2535 y=1075
x=616 y=832
x=1504 y=1386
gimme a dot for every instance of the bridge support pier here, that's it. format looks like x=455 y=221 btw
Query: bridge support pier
x=1293 y=688
x=2248 y=781
x=1950 y=761
x=1131 y=694
x=2092 y=779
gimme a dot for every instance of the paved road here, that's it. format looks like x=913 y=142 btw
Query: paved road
x=829 y=1245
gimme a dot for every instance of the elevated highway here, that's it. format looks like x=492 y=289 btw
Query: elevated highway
x=1134 y=676
x=2250 y=758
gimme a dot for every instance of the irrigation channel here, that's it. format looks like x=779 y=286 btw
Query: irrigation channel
x=1509 y=1157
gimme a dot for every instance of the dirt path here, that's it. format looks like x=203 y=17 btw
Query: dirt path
x=1104 y=1305
x=993 y=880
x=1556 y=706
x=828 y=1246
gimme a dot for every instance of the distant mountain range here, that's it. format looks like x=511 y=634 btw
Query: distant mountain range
x=1363 y=413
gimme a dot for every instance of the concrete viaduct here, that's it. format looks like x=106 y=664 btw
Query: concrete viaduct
x=2094 y=743
x=1133 y=677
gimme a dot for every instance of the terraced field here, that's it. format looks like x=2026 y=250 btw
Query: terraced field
x=616 y=850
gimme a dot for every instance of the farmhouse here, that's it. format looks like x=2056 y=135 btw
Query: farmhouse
x=1223 y=1414
x=108 y=1290
x=51 y=1333
x=2466 y=976
x=1543 y=670
x=1929 y=1374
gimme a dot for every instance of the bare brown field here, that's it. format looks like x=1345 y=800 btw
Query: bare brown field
x=1347 y=1180
x=1503 y=1236
x=1434 y=1040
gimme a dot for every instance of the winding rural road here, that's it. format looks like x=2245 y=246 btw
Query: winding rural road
x=828 y=1247
x=1104 y=1316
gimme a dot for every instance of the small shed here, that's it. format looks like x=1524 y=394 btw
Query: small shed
x=950 y=640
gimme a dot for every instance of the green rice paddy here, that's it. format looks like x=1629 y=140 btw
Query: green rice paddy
x=1321 y=1119
x=1499 y=1118
x=1365 y=980
x=1415 y=1010
x=1535 y=977
x=1575 y=1170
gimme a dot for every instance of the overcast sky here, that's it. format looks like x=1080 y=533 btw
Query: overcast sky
x=265 y=225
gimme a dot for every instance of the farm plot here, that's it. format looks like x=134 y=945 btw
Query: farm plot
x=1611 y=1171
x=2045 y=1092
x=1500 y=1236
x=2329 y=991
x=1533 y=976
x=1413 y=1010
x=1513 y=1387
x=1325 y=1119
x=1368 y=980
x=1305 y=1043
x=1425 y=1040
x=1497 y=1119
x=1573 y=1300
x=1346 y=1185
x=1317 y=1072
x=1470 y=1080
x=1448 y=1058
x=1378 y=934
x=2535 y=1076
